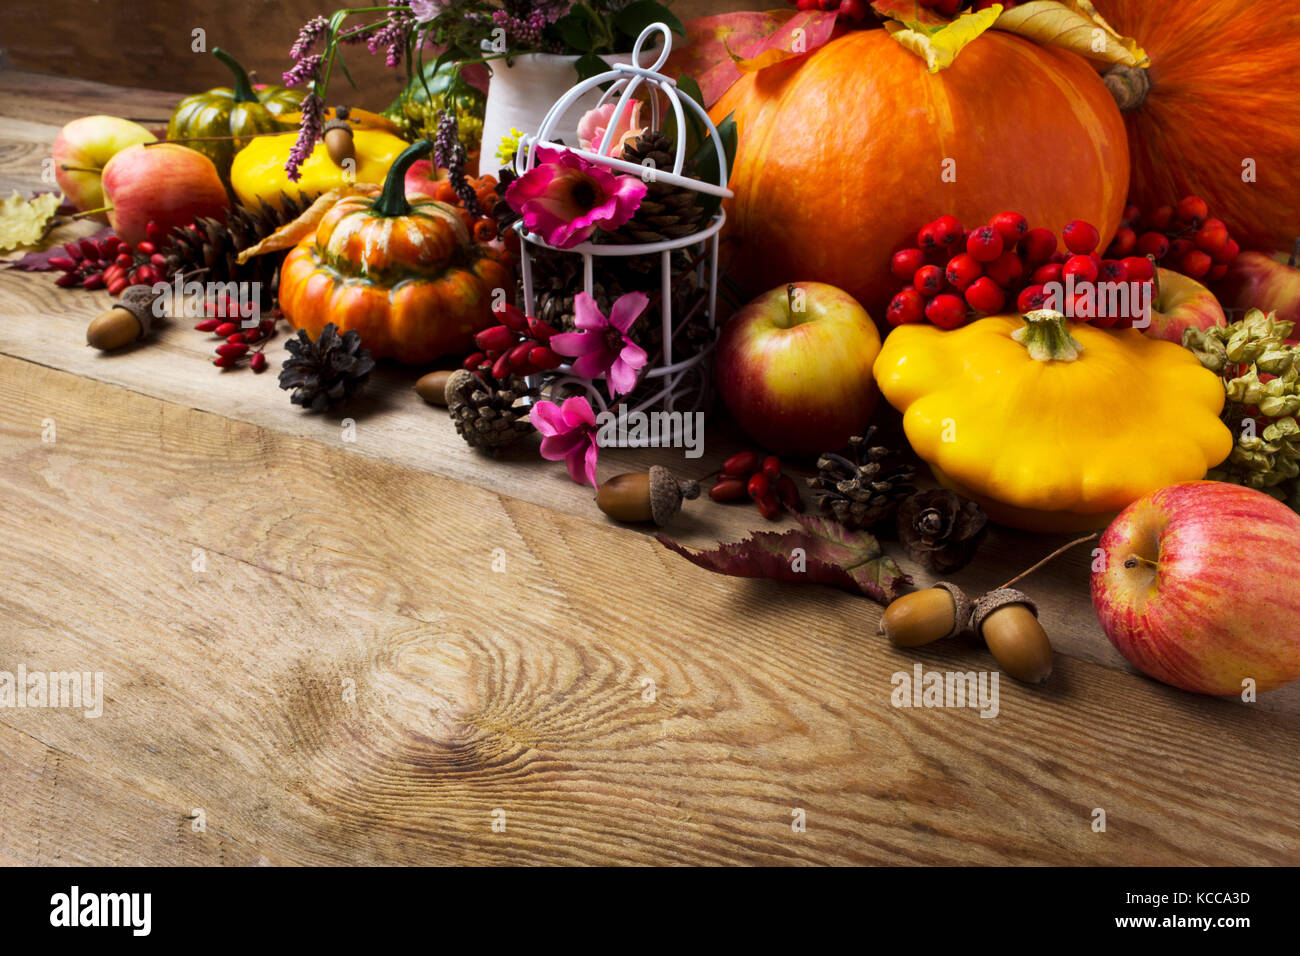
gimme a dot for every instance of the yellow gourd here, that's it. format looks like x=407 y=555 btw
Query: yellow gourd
x=258 y=175
x=1052 y=425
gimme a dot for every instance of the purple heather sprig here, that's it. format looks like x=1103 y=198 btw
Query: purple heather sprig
x=309 y=131
x=311 y=34
x=303 y=71
x=449 y=153
x=393 y=36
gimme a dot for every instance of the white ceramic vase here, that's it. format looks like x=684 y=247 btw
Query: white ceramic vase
x=521 y=92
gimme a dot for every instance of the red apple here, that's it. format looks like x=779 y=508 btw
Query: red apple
x=1199 y=587
x=420 y=179
x=168 y=183
x=1257 y=280
x=1182 y=303
x=794 y=368
x=83 y=148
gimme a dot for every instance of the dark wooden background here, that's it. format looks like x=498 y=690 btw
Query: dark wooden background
x=147 y=43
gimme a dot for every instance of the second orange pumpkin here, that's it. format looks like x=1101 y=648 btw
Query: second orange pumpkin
x=846 y=152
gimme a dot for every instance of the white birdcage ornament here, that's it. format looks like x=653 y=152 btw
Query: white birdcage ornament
x=668 y=382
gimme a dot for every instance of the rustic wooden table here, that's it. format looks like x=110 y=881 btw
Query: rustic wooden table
x=350 y=681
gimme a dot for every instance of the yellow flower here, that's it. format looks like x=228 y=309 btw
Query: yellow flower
x=509 y=146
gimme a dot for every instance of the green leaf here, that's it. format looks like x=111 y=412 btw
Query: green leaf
x=635 y=17
x=830 y=554
x=589 y=65
x=574 y=33
x=694 y=127
x=705 y=160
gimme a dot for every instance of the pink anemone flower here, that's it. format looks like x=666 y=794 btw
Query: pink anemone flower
x=594 y=122
x=565 y=199
x=602 y=346
x=569 y=435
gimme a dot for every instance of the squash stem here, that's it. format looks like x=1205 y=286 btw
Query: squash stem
x=243 y=86
x=1047 y=338
x=392 y=199
x=1295 y=254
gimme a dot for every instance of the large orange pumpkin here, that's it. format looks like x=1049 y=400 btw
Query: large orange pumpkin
x=1223 y=91
x=843 y=153
x=405 y=275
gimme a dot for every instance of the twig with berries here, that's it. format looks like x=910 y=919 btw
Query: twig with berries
x=227 y=321
x=518 y=345
x=111 y=264
x=747 y=475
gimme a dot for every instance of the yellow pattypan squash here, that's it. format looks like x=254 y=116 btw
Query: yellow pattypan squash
x=1052 y=425
x=257 y=173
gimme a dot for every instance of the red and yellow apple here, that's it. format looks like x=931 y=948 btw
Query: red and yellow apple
x=1198 y=586
x=1258 y=280
x=169 y=184
x=82 y=150
x=421 y=180
x=1181 y=304
x=794 y=368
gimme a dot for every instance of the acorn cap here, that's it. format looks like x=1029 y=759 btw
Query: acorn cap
x=138 y=300
x=961 y=608
x=667 y=493
x=993 y=600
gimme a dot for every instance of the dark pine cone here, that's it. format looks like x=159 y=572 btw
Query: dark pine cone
x=214 y=246
x=941 y=530
x=667 y=211
x=488 y=412
x=325 y=372
x=858 y=491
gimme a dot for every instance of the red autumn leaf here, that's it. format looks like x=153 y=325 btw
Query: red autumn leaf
x=714 y=44
x=831 y=554
x=909 y=11
x=40 y=261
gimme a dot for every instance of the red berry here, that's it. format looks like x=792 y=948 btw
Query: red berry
x=1032 y=297
x=728 y=489
x=1131 y=214
x=741 y=465
x=145 y=276
x=501 y=365
x=948 y=231
x=759 y=484
x=1217 y=272
x=1139 y=267
x=947 y=311
x=93 y=281
x=1123 y=244
x=906 y=262
x=155 y=232
x=1080 y=237
x=788 y=492
x=1006 y=270
x=1113 y=270
x=1179 y=248
x=927 y=238
x=267 y=326
x=905 y=308
x=495 y=337
x=984 y=295
x=225 y=361
x=237 y=337
x=1153 y=244
x=1212 y=239
x=962 y=271
x=1195 y=264
x=88 y=249
x=146 y=248
x=519 y=354
x=67 y=279
x=985 y=244
x=1081 y=267
x=928 y=280
x=1227 y=254
x=1012 y=226
x=257 y=361
x=117 y=286
x=542 y=358
x=1050 y=272
x=768 y=506
x=232 y=349
x=63 y=263
x=1162 y=219
x=226 y=329
x=1192 y=209
x=772 y=467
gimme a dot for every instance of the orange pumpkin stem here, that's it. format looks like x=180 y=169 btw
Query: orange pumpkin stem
x=392 y=199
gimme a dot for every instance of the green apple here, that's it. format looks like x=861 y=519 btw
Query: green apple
x=82 y=150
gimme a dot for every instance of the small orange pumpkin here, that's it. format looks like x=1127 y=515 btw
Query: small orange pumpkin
x=406 y=276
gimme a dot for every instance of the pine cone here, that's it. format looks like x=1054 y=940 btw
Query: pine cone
x=488 y=413
x=859 y=491
x=214 y=246
x=325 y=372
x=667 y=211
x=941 y=530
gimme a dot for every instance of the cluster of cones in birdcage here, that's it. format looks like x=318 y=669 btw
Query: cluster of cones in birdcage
x=618 y=260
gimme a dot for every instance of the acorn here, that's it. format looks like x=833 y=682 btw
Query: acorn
x=654 y=496
x=338 y=138
x=1008 y=622
x=433 y=386
x=130 y=320
x=923 y=617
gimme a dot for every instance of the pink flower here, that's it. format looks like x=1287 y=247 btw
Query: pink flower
x=592 y=126
x=568 y=433
x=565 y=198
x=602 y=347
